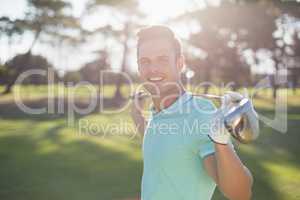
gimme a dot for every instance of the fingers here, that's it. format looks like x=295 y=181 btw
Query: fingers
x=227 y=102
x=230 y=99
x=234 y=96
x=138 y=100
x=139 y=95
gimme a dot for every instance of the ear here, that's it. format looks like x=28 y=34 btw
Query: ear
x=180 y=63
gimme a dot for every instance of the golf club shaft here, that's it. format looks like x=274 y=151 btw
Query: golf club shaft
x=209 y=96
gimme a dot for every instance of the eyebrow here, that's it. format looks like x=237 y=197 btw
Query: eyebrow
x=162 y=55
x=143 y=58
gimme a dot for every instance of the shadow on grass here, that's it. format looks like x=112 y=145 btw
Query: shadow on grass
x=273 y=140
x=61 y=108
x=50 y=168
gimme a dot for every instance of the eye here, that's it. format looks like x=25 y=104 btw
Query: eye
x=144 y=61
x=163 y=59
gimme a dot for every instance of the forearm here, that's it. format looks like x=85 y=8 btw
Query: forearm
x=234 y=179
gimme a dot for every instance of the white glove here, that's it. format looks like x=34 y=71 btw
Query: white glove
x=218 y=133
x=138 y=102
x=231 y=99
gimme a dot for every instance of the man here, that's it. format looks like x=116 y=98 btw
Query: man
x=182 y=159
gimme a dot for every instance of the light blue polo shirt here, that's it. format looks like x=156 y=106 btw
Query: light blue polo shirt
x=174 y=146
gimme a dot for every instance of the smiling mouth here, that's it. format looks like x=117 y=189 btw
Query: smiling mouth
x=155 y=79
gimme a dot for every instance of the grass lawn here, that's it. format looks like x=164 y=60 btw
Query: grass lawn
x=42 y=158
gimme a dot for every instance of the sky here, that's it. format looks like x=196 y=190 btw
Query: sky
x=15 y=8
x=71 y=59
x=156 y=10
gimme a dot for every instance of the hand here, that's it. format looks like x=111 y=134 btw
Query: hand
x=138 y=102
x=219 y=133
x=231 y=99
x=250 y=119
x=136 y=111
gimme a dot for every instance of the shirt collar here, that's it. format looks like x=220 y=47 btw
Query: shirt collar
x=175 y=106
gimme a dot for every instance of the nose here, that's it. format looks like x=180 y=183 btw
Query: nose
x=154 y=67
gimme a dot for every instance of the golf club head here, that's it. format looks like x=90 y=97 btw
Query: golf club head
x=242 y=121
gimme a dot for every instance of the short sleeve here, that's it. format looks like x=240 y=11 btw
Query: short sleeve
x=206 y=147
x=205 y=108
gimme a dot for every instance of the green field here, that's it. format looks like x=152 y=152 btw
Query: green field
x=41 y=157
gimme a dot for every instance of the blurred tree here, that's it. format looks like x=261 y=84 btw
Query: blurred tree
x=226 y=31
x=48 y=21
x=91 y=71
x=293 y=64
x=71 y=77
x=10 y=29
x=34 y=62
x=279 y=26
x=234 y=27
x=128 y=17
x=3 y=73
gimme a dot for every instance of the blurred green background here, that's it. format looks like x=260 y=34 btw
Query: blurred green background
x=230 y=44
x=43 y=158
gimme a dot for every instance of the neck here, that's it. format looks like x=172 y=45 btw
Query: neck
x=165 y=100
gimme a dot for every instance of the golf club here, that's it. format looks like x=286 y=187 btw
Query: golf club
x=241 y=120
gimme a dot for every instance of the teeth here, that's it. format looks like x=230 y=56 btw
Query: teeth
x=155 y=79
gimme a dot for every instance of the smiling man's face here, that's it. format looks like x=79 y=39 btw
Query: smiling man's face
x=159 y=68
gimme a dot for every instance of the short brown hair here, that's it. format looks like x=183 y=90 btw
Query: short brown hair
x=157 y=32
